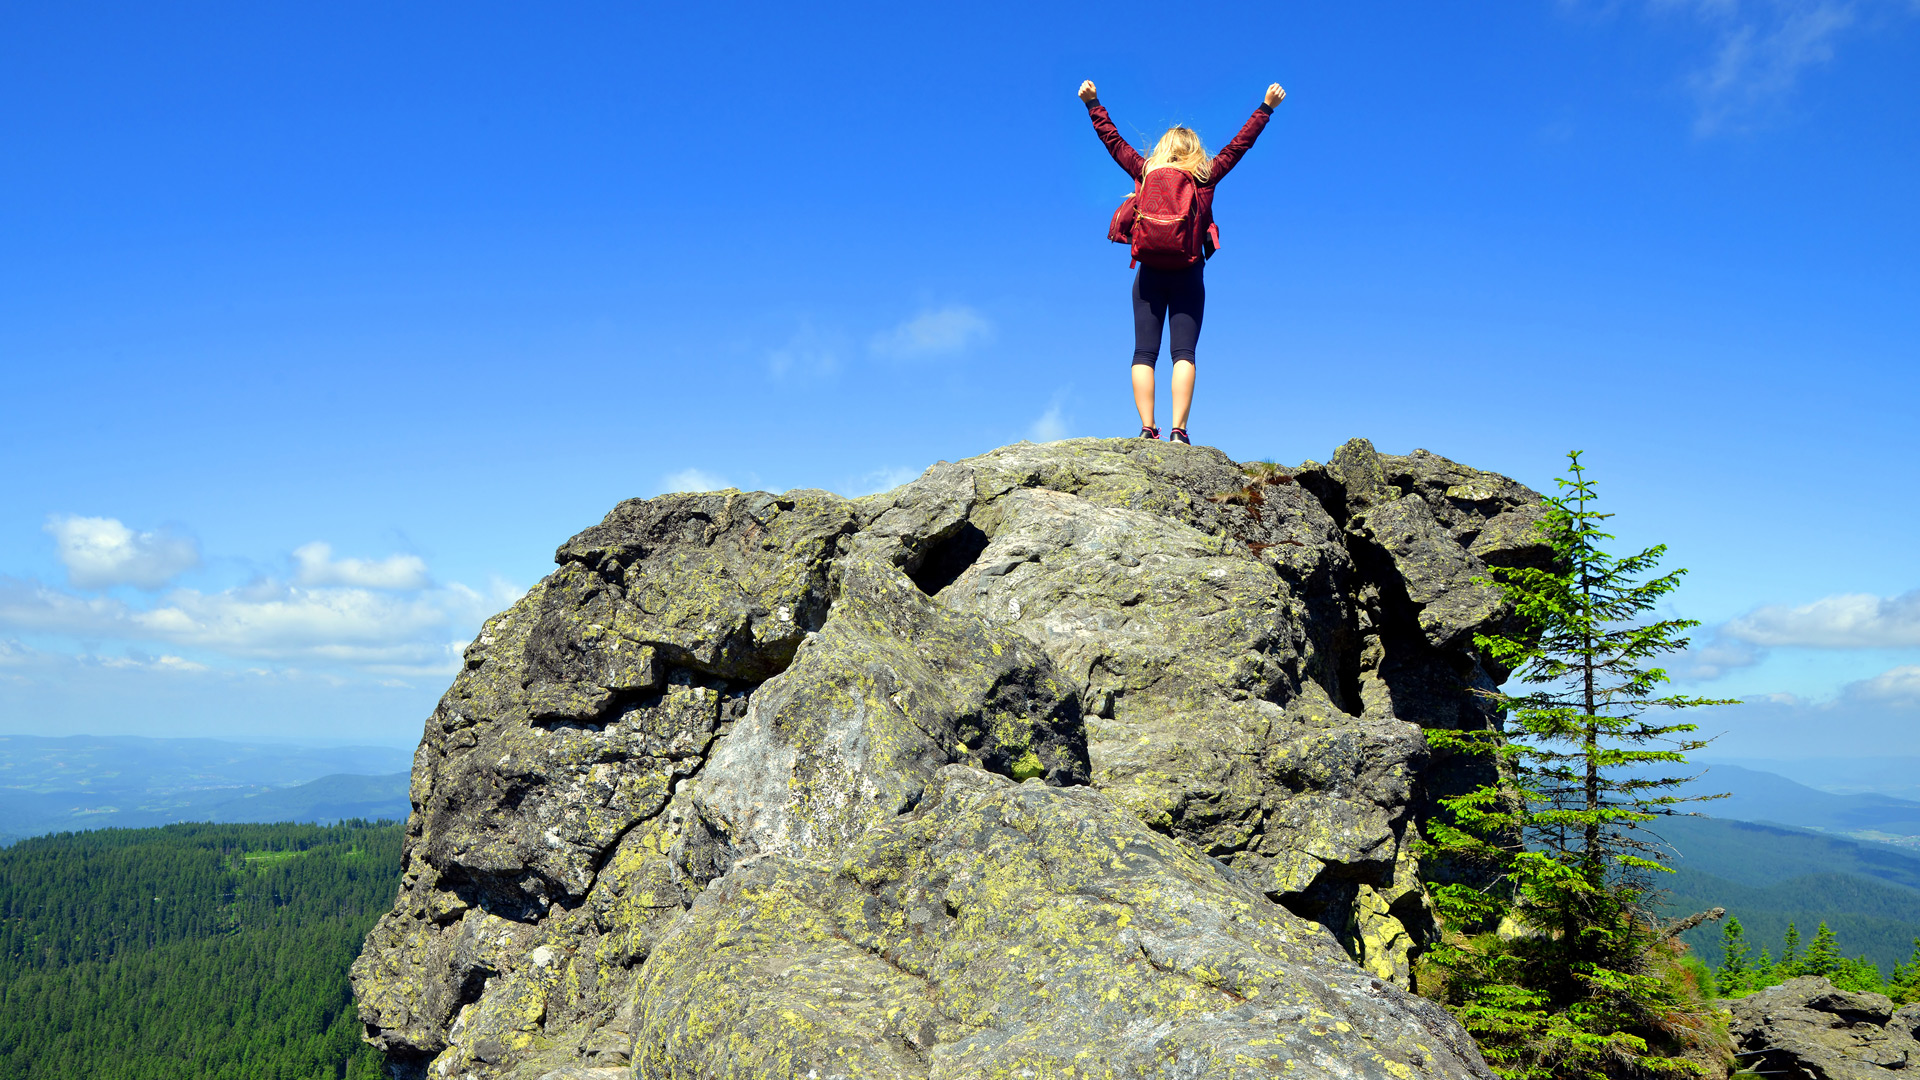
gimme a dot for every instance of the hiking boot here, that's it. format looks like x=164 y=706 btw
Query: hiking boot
x=1148 y=432
x=1179 y=435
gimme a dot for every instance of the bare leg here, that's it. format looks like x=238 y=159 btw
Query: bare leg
x=1143 y=391
x=1182 y=392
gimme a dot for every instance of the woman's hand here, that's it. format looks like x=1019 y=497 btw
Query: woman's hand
x=1275 y=95
x=1086 y=91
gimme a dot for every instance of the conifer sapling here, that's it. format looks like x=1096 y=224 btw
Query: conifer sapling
x=1551 y=953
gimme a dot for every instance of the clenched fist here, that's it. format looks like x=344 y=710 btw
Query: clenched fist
x=1086 y=91
x=1275 y=95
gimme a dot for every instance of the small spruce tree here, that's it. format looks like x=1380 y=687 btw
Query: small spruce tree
x=1765 y=972
x=1789 y=966
x=1904 y=987
x=1551 y=954
x=1736 y=967
x=1823 y=956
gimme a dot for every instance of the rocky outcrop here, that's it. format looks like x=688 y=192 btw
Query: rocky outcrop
x=1806 y=1028
x=1093 y=757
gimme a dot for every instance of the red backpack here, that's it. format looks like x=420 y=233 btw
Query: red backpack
x=1161 y=221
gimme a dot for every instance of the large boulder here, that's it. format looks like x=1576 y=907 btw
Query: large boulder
x=1097 y=752
x=1003 y=929
x=1807 y=1028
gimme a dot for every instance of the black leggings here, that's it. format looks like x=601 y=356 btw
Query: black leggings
x=1158 y=294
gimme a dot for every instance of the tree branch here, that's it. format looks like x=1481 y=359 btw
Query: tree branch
x=1681 y=926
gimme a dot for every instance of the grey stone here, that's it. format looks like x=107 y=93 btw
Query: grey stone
x=893 y=687
x=1807 y=1028
x=1018 y=930
x=740 y=784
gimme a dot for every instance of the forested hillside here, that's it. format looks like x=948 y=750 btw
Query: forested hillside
x=190 y=952
x=1768 y=877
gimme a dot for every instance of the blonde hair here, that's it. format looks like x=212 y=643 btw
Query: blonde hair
x=1181 y=149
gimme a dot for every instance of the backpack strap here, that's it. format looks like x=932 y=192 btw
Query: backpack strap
x=1139 y=186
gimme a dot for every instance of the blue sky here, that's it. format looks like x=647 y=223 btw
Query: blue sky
x=320 y=328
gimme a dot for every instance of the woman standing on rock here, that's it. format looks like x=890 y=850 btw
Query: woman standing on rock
x=1168 y=222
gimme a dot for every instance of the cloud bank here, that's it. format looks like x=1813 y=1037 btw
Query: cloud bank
x=1855 y=723
x=381 y=616
x=1898 y=686
x=264 y=620
x=1851 y=621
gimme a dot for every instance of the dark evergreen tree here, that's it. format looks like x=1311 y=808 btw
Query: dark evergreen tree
x=1789 y=965
x=1551 y=954
x=196 y=952
x=1735 y=975
x=1823 y=956
x=1904 y=987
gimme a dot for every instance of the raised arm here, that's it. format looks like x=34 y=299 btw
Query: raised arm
x=1230 y=155
x=1123 y=154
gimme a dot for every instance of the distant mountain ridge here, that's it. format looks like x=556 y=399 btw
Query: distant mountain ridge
x=52 y=784
x=1895 y=776
x=1765 y=796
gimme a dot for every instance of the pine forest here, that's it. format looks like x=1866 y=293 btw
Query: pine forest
x=189 y=952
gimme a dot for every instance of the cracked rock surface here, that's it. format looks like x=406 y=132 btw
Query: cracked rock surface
x=1093 y=758
x=1806 y=1028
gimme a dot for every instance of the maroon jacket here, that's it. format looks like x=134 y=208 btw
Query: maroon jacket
x=1229 y=155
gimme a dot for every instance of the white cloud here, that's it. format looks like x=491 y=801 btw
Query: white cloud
x=1852 y=621
x=934 y=332
x=101 y=552
x=1717 y=657
x=315 y=565
x=693 y=480
x=1708 y=8
x=1762 y=54
x=440 y=662
x=1760 y=51
x=143 y=662
x=882 y=480
x=1899 y=686
x=808 y=353
x=1050 y=427
x=23 y=665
